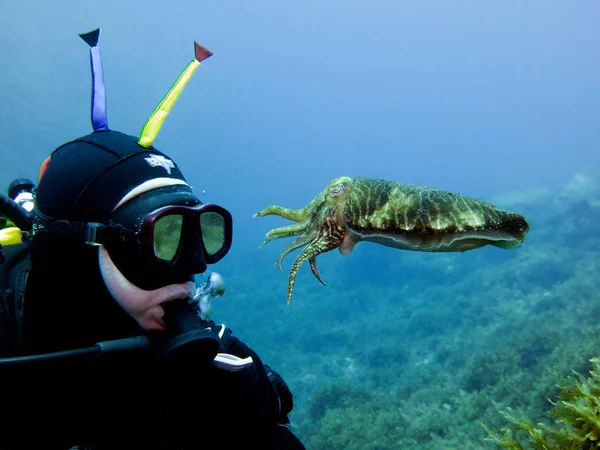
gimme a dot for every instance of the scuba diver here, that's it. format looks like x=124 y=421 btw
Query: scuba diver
x=105 y=339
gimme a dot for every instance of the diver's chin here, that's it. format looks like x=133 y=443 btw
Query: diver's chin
x=145 y=306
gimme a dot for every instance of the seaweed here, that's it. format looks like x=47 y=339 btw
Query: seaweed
x=575 y=415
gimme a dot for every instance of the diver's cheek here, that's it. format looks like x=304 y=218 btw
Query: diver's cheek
x=143 y=306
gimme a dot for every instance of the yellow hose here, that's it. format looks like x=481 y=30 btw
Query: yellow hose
x=10 y=236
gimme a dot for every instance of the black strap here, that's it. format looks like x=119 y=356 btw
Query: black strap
x=13 y=278
x=16 y=213
x=19 y=283
x=88 y=232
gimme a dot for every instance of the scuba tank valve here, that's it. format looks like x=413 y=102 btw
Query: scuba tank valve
x=17 y=207
x=21 y=191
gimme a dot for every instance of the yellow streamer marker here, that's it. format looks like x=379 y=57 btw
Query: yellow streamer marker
x=154 y=122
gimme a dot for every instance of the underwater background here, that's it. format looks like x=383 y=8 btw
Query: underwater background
x=496 y=100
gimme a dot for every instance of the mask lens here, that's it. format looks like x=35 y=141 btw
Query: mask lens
x=213 y=232
x=167 y=235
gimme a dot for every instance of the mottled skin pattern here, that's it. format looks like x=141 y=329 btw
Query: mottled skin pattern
x=394 y=214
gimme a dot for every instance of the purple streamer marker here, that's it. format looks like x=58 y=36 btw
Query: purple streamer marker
x=99 y=120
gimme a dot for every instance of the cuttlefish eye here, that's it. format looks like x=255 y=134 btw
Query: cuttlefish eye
x=337 y=190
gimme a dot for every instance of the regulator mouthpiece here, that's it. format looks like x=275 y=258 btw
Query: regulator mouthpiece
x=186 y=341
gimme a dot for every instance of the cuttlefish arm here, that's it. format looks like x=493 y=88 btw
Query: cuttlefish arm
x=321 y=227
x=303 y=216
x=330 y=236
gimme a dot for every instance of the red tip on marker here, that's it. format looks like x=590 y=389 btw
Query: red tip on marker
x=202 y=53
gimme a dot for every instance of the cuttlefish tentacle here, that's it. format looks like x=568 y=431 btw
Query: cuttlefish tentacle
x=331 y=237
x=304 y=216
x=313 y=267
x=284 y=232
x=297 y=215
x=301 y=241
x=397 y=215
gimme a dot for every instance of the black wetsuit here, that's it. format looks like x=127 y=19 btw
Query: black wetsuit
x=129 y=400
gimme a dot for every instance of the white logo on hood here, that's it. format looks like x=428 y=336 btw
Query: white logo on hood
x=159 y=160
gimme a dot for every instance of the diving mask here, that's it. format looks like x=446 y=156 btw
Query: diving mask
x=165 y=236
x=158 y=238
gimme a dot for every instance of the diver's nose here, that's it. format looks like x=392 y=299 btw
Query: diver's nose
x=192 y=255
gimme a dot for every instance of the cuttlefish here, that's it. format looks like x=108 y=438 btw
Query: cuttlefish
x=397 y=215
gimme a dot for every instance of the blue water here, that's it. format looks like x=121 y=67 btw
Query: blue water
x=496 y=100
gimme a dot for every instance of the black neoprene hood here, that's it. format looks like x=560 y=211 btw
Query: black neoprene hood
x=86 y=178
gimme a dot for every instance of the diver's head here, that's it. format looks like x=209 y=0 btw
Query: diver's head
x=154 y=228
x=117 y=191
